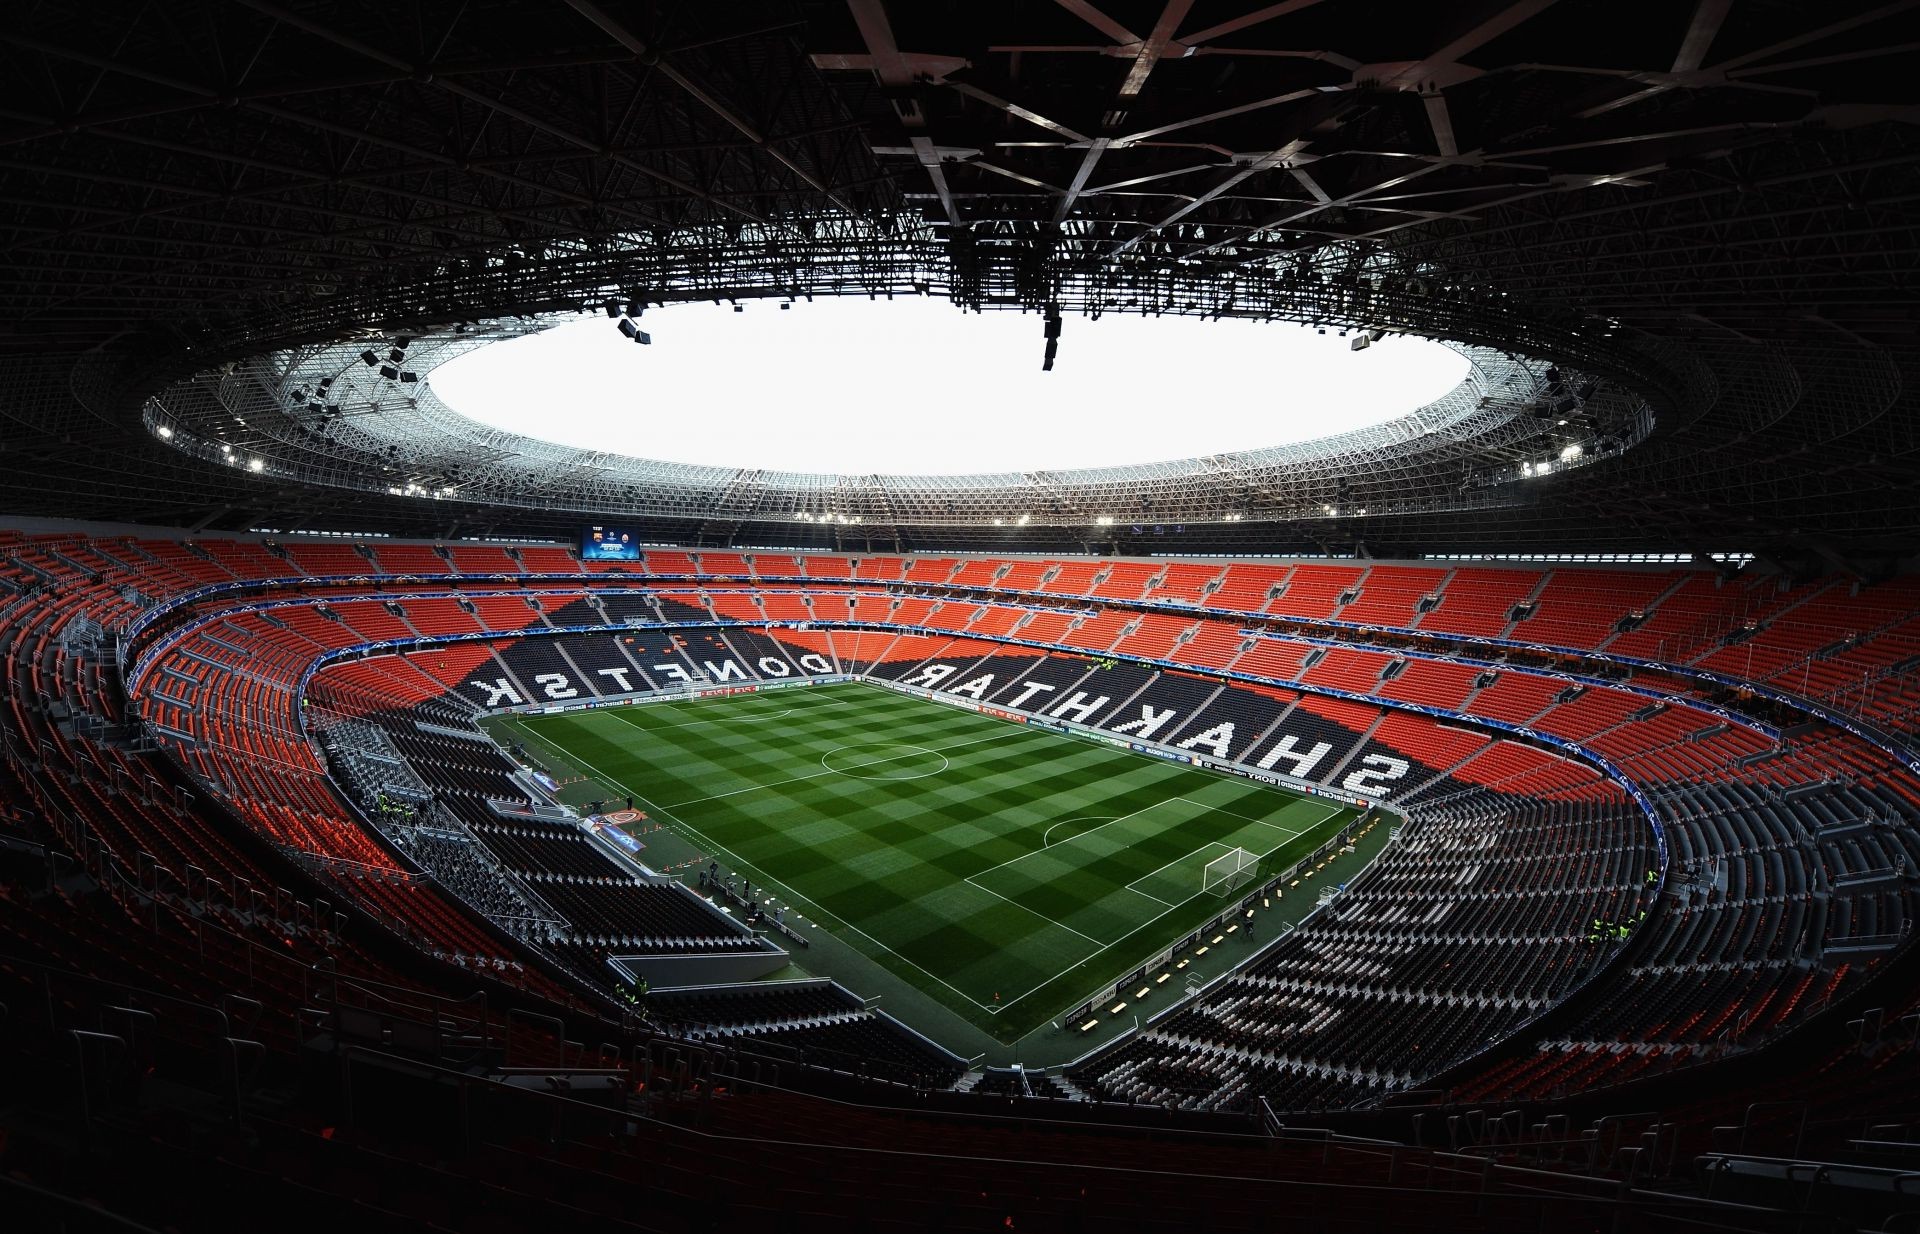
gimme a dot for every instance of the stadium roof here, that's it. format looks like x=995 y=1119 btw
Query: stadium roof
x=1707 y=210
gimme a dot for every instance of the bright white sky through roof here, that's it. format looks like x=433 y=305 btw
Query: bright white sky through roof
x=853 y=386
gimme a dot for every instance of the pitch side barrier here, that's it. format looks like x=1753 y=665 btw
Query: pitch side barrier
x=1771 y=732
x=437 y=590
x=675 y=694
x=393 y=646
x=1907 y=755
x=1173 y=755
x=360 y=651
x=1154 y=748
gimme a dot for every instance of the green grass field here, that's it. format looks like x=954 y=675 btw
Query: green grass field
x=1008 y=871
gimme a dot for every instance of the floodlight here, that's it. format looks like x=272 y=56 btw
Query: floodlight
x=369 y=359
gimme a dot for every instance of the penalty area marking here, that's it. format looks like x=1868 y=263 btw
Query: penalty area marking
x=1084 y=818
x=1083 y=960
x=792 y=895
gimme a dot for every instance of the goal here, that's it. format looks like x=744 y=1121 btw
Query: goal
x=1224 y=874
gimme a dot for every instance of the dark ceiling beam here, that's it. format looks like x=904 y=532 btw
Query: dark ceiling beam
x=1247 y=20
x=425 y=75
x=1089 y=13
x=1818 y=33
x=1416 y=75
x=279 y=194
x=897 y=72
x=1731 y=184
x=582 y=58
x=1708 y=15
x=651 y=57
x=1151 y=49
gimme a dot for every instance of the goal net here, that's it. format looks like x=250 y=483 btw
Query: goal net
x=1224 y=874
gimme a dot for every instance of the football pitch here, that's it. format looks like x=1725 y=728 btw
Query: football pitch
x=1006 y=870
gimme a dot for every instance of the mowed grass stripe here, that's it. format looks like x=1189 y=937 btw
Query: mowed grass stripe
x=906 y=868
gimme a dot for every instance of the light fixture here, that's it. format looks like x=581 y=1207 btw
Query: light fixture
x=1571 y=452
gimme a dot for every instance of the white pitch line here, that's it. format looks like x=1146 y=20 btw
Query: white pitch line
x=1084 y=818
x=820 y=916
x=996 y=1008
x=1247 y=818
x=1151 y=920
x=1034 y=912
x=781 y=714
x=631 y=714
x=1176 y=861
x=792 y=895
x=815 y=775
x=1089 y=831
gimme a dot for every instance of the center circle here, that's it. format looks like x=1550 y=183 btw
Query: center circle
x=884 y=760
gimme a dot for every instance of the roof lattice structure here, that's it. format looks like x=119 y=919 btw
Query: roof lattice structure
x=1710 y=206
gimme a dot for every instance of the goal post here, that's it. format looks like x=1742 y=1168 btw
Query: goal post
x=1228 y=872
